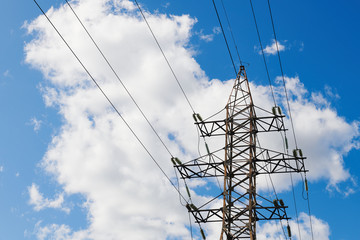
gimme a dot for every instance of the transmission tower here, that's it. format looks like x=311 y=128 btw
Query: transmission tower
x=239 y=206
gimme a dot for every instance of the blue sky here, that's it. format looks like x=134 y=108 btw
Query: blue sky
x=320 y=58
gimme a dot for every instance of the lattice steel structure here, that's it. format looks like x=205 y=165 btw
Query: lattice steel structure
x=241 y=206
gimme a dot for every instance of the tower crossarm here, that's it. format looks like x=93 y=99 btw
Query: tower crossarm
x=267 y=210
x=266 y=161
x=270 y=123
x=210 y=165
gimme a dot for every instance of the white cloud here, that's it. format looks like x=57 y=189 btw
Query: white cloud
x=325 y=136
x=209 y=37
x=95 y=155
x=272 y=49
x=7 y=73
x=39 y=202
x=272 y=230
x=36 y=123
x=301 y=48
x=166 y=5
x=57 y=232
x=331 y=92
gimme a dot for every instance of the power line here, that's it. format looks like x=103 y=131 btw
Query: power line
x=262 y=53
x=110 y=102
x=176 y=188
x=282 y=73
x=117 y=76
x=273 y=187
x=288 y=104
x=173 y=73
x=222 y=30
x=267 y=72
x=295 y=205
x=103 y=55
x=175 y=77
x=162 y=52
x=310 y=218
x=231 y=32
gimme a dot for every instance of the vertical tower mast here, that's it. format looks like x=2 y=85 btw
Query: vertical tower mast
x=244 y=161
x=237 y=143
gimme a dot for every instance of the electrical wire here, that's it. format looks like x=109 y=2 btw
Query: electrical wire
x=162 y=52
x=222 y=30
x=310 y=218
x=110 y=102
x=171 y=69
x=273 y=187
x=132 y=98
x=272 y=92
x=118 y=78
x=282 y=73
x=295 y=205
x=191 y=230
x=262 y=53
x=231 y=32
x=288 y=104
x=286 y=149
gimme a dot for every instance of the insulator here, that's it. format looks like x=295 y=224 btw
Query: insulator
x=188 y=207
x=173 y=161
x=194 y=116
x=279 y=110
x=199 y=117
x=281 y=202
x=207 y=148
x=202 y=233
x=295 y=153
x=306 y=185
x=178 y=161
x=286 y=143
x=274 y=110
x=188 y=191
x=289 y=231
x=194 y=207
x=300 y=152
x=276 y=204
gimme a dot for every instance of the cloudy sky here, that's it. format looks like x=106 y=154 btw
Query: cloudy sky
x=70 y=168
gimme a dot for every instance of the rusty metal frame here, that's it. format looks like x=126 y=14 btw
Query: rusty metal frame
x=243 y=162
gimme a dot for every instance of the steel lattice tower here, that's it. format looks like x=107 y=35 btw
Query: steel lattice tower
x=244 y=160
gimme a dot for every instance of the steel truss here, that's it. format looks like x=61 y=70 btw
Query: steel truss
x=244 y=160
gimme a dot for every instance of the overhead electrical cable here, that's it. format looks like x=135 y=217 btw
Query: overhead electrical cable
x=262 y=52
x=295 y=205
x=178 y=82
x=282 y=74
x=308 y=202
x=166 y=59
x=127 y=91
x=273 y=187
x=223 y=32
x=289 y=109
x=231 y=32
x=110 y=102
x=272 y=92
x=176 y=78
x=118 y=78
